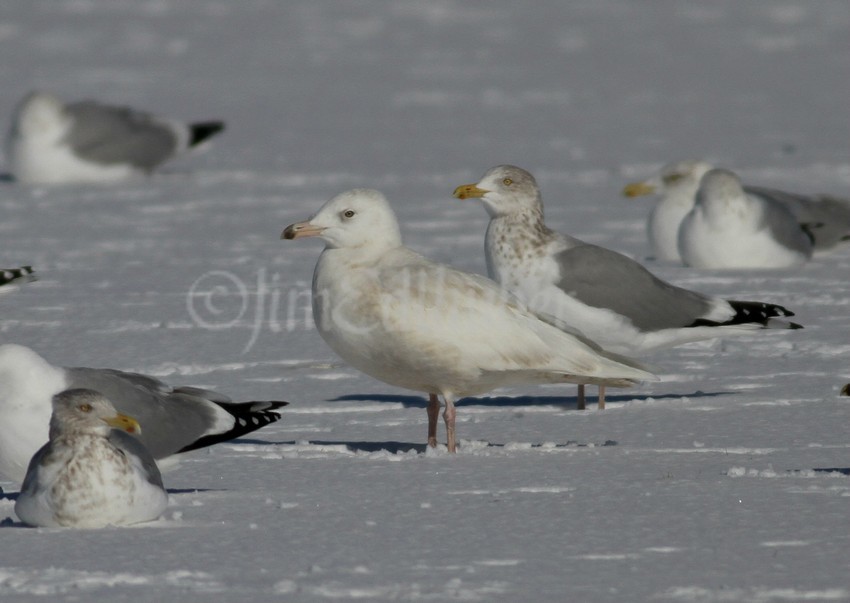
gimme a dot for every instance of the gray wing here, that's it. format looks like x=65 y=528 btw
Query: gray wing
x=131 y=446
x=175 y=419
x=603 y=278
x=171 y=419
x=825 y=217
x=31 y=480
x=783 y=227
x=109 y=135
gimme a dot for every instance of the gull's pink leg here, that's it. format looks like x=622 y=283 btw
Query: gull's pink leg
x=433 y=413
x=601 y=397
x=581 y=405
x=449 y=417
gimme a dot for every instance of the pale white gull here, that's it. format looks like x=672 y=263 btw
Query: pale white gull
x=610 y=298
x=825 y=218
x=174 y=419
x=417 y=324
x=91 y=473
x=51 y=142
x=729 y=229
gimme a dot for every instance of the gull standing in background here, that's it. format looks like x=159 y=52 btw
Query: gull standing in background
x=91 y=473
x=417 y=324
x=608 y=297
x=824 y=217
x=677 y=183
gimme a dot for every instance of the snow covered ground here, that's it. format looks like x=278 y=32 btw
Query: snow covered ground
x=703 y=487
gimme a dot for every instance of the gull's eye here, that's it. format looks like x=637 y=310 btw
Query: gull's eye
x=507 y=181
x=348 y=214
x=671 y=178
x=85 y=407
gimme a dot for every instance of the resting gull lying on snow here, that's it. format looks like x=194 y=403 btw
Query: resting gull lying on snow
x=91 y=473
x=55 y=143
x=729 y=229
x=826 y=218
x=173 y=419
x=605 y=295
x=413 y=323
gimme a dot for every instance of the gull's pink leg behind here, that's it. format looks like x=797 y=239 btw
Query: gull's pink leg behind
x=433 y=413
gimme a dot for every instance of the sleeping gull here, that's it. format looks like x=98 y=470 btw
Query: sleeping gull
x=413 y=323
x=605 y=295
x=91 y=473
x=55 y=143
x=174 y=419
x=9 y=276
x=824 y=217
x=729 y=229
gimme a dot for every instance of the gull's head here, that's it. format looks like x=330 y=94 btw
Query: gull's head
x=39 y=113
x=674 y=179
x=359 y=217
x=719 y=187
x=85 y=411
x=504 y=189
x=27 y=378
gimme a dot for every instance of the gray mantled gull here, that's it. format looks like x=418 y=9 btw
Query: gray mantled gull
x=824 y=217
x=677 y=183
x=50 y=142
x=729 y=229
x=417 y=324
x=91 y=473
x=174 y=419
x=608 y=297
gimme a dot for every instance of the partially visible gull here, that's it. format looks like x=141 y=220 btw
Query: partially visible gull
x=677 y=184
x=729 y=229
x=51 y=142
x=174 y=419
x=824 y=217
x=417 y=324
x=91 y=473
x=608 y=297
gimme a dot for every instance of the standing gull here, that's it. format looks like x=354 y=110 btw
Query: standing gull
x=413 y=323
x=605 y=295
x=678 y=184
x=50 y=142
x=174 y=419
x=729 y=229
x=824 y=217
x=91 y=473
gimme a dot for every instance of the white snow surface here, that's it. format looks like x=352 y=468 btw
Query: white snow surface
x=707 y=489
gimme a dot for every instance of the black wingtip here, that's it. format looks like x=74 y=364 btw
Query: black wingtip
x=249 y=416
x=201 y=131
x=24 y=273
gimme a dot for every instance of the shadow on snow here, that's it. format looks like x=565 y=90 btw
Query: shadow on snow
x=409 y=401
